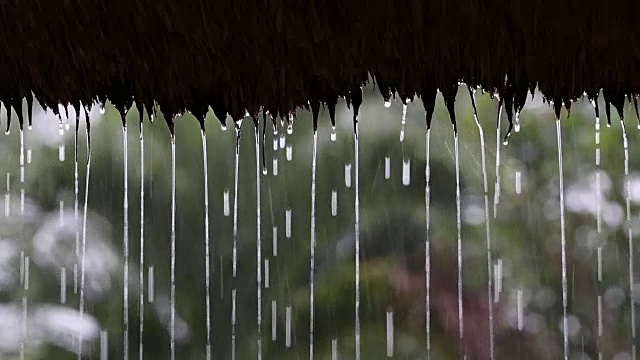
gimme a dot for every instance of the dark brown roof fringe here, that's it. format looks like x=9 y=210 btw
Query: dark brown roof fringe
x=244 y=55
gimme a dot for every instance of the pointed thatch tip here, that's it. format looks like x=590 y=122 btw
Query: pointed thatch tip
x=202 y=58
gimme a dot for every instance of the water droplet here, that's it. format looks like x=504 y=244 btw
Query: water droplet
x=264 y=170
x=290 y=128
x=289 y=152
x=274 y=320
x=334 y=202
x=31 y=127
x=29 y=156
x=275 y=241
x=61 y=152
x=275 y=166
x=347 y=175
x=226 y=208
x=287 y=222
x=505 y=142
x=406 y=172
x=387 y=104
x=518 y=182
x=63 y=285
x=288 y=326
x=150 y=285
x=283 y=141
x=104 y=345
x=333 y=133
x=7 y=132
x=222 y=126
x=387 y=167
x=275 y=144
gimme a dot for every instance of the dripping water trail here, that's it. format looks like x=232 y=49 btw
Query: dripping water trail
x=83 y=249
x=125 y=245
x=357 y=239
x=235 y=244
x=258 y=245
x=496 y=193
x=563 y=244
x=487 y=226
x=629 y=237
x=427 y=245
x=173 y=248
x=76 y=188
x=598 y=191
x=141 y=278
x=313 y=242
x=207 y=264
x=22 y=175
x=459 y=246
x=403 y=121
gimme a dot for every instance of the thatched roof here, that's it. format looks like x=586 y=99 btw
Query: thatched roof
x=234 y=55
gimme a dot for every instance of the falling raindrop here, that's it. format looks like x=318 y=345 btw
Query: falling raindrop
x=28 y=156
x=387 y=104
x=287 y=316
x=516 y=125
x=266 y=273
x=207 y=264
x=334 y=202
x=104 y=345
x=275 y=241
x=287 y=222
x=518 y=182
x=225 y=197
x=151 y=289
x=7 y=197
x=333 y=133
x=275 y=143
x=389 y=333
x=387 y=167
x=520 y=309
x=274 y=318
x=334 y=349
x=63 y=285
x=283 y=141
x=275 y=166
x=347 y=175
x=61 y=213
x=289 y=152
x=61 y=155
x=497 y=275
x=406 y=172
x=563 y=244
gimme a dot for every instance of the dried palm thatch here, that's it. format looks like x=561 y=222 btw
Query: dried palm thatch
x=237 y=55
